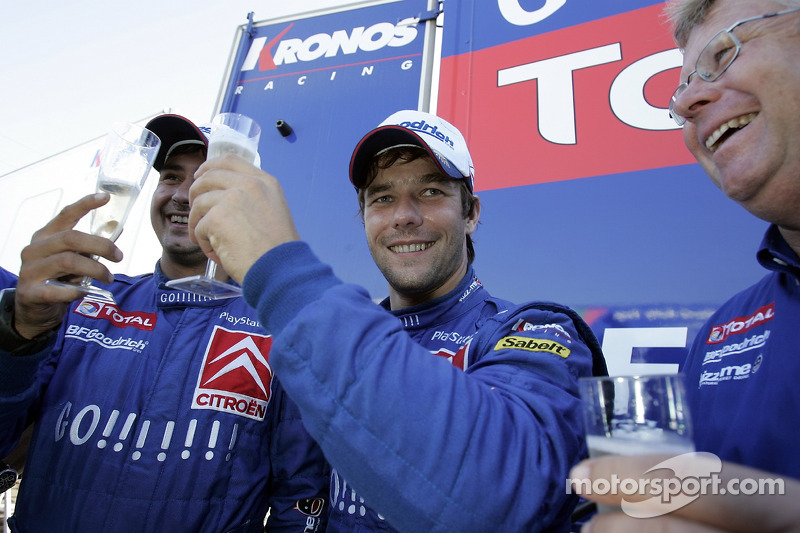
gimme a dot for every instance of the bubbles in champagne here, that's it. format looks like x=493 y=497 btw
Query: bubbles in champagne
x=107 y=229
x=225 y=140
x=231 y=146
x=107 y=220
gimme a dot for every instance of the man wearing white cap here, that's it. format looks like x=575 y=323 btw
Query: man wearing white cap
x=159 y=412
x=442 y=408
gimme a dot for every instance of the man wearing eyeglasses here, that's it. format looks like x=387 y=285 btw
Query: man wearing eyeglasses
x=739 y=105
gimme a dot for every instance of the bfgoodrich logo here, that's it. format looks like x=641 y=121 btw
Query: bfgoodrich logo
x=235 y=376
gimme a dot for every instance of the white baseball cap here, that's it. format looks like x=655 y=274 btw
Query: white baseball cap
x=441 y=139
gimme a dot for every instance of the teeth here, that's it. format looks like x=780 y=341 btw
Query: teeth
x=179 y=219
x=405 y=248
x=740 y=122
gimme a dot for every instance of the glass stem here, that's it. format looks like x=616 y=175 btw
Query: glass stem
x=211 y=269
x=87 y=281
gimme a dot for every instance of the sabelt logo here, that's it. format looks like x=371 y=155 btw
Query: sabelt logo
x=532 y=345
x=741 y=324
x=121 y=319
x=293 y=50
x=235 y=376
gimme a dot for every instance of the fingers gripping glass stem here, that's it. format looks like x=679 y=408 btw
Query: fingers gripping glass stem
x=231 y=133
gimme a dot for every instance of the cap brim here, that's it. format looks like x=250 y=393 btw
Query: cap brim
x=386 y=137
x=172 y=129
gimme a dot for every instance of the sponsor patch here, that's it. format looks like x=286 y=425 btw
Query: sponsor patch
x=310 y=506
x=730 y=373
x=754 y=342
x=457 y=359
x=741 y=324
x=556 y=329
x=532 y=345
x=96 y=336
x=121 y=319
x=235 y=376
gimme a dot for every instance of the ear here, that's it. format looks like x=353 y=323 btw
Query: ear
x=474 y=216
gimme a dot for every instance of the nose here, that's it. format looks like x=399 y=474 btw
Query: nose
x=406 y=212
x=695 y=97
x=180 y=194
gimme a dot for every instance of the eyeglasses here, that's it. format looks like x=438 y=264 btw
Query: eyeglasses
x=715 y=59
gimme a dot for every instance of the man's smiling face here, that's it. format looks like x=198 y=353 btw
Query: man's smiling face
x=416 y=231
x=744 y=127
x=169 y=212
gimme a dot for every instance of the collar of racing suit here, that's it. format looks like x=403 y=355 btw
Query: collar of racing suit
x=468 y=294
x=169 y=298
x=775 y=254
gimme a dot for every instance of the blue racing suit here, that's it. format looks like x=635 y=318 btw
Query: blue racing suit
x=742 y=367
x=480 y=438
x=7 y=279
x=160 y=413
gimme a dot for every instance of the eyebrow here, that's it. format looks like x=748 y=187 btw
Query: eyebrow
x=425 y=179
x=173 y=167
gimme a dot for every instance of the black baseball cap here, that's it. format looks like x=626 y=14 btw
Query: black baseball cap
x=174 y=131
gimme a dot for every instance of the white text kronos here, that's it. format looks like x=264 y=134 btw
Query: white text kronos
x=294 y=50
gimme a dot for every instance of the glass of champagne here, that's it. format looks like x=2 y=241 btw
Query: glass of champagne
x=636 y=415
x=236 y=134
x=125 y=163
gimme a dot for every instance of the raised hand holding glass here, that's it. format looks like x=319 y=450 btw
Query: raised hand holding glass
x=125 y=163
x=236 y=134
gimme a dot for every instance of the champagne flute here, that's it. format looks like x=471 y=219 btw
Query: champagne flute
x=636 y=415
x=231 y=133
x=125 y=163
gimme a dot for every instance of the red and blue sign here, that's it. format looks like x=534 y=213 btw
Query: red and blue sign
x=589 y=196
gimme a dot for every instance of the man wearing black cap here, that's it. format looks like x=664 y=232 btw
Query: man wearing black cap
x=480 y=438
x=159 y=412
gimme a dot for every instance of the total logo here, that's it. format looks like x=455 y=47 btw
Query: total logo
x=741 y=324
x=235 y=376
x=307 y=49
x=121 y=319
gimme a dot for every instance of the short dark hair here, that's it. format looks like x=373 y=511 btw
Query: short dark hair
x=409 y=154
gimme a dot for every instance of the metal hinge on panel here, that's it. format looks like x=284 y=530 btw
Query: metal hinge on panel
x=424 y=16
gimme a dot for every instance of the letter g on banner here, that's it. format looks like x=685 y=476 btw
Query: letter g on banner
x=513 y=12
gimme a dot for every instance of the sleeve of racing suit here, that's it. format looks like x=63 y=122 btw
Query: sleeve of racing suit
x=429 y=447
x=298 y=490
x=19 y=390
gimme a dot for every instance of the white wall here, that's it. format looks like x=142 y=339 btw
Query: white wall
x=33 y=195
